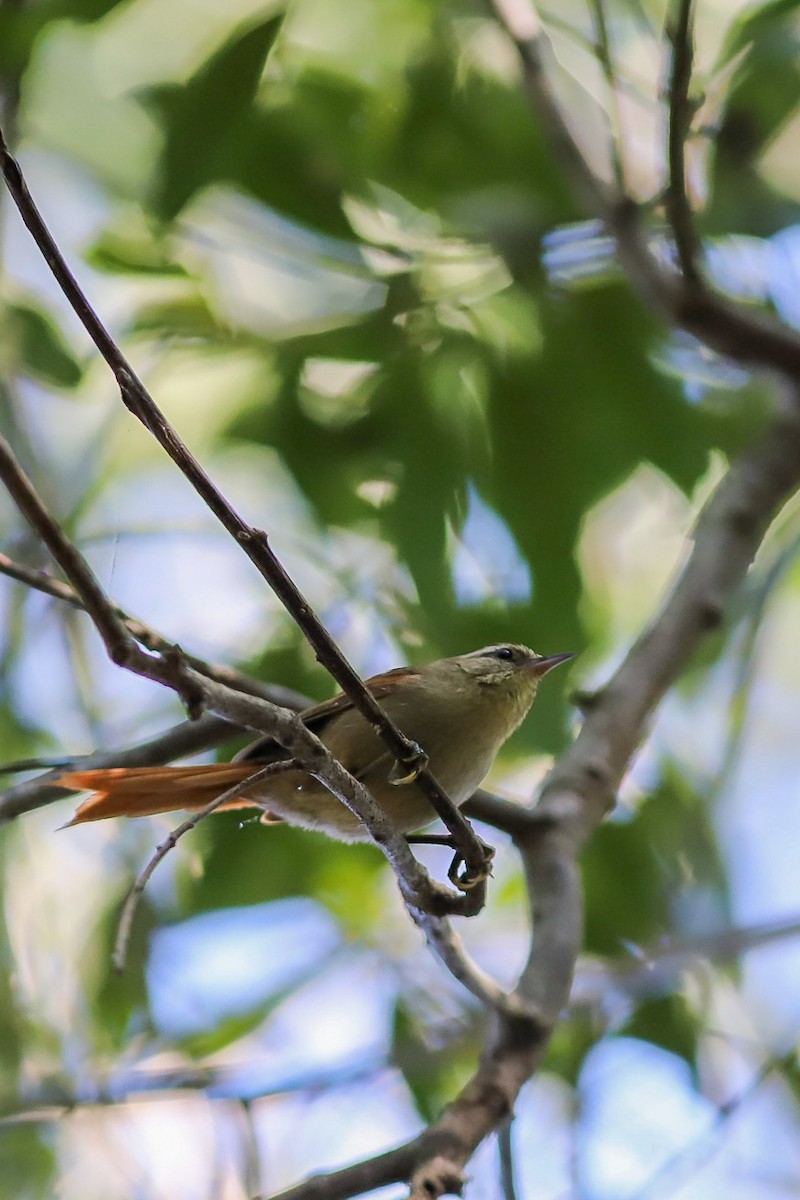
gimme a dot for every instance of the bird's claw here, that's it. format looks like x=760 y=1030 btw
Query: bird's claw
x=407 y=771
x=468 y=879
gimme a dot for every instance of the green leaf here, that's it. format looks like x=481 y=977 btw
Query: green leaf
x=572 y=1040
x=34 y=345
x=245 y=862
x=118 y=1002
x=763 y=96
x=201 y=119
x=132 y=252
x=434 y=1075
x=658 y=871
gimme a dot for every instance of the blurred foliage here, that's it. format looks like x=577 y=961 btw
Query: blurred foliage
x=338 y=248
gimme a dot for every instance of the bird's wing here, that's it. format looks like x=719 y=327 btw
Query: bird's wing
x=266 y=749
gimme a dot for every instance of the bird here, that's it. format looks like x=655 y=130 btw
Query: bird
x=460 y=710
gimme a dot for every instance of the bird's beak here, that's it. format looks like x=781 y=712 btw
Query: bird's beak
x=540 y=666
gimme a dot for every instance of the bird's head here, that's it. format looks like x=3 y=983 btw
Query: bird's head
x=509 y=663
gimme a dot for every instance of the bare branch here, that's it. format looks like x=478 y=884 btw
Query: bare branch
x=149 y=637
x=505 y=1154
x=253 y=541
x=395 y=1166
x=507 y=815
x=680 y=116
x=727 y=535
x=116 y=637
x=656 y=968
x=686 y=1162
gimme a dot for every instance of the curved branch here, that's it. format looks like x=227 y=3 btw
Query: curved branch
x=728 y=533
x=581 y=787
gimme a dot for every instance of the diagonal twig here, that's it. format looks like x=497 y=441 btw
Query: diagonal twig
x=189 y=737
x=426 y=901
x=147 y=636
x=687 y=247
x=170 y=842
x=253 y=541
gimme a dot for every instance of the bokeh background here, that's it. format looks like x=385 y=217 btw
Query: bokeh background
x=347 y=265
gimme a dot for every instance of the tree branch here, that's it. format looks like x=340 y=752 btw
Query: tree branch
x=135 y=894
x=190 y=737
x=581 y=787
x=727 y=535
x=151 y=639
x=198 y=692
x=253 y=541
x=426 y=900
x=605 y=56
x=679 y=210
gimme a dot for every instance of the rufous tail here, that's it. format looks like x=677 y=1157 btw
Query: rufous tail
x=140 y=791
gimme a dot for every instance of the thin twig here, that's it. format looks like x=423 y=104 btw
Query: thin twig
x=170 y=842
x=606 y=58
x=505 y=1154
x=649 y=972
x=109 y=624
x=199 y=692
x=144 y=634
x=509 y=816
x=678 y=208
x=253 y=541
x=394 y=1166
x=19 y=765
x=190 y=737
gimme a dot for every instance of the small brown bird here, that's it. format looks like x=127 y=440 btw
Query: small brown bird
x=460 y=710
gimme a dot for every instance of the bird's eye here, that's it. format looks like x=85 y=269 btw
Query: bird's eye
x=505 y=653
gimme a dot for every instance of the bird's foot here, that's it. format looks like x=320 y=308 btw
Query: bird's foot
x=406 y=770
x=465 y=881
